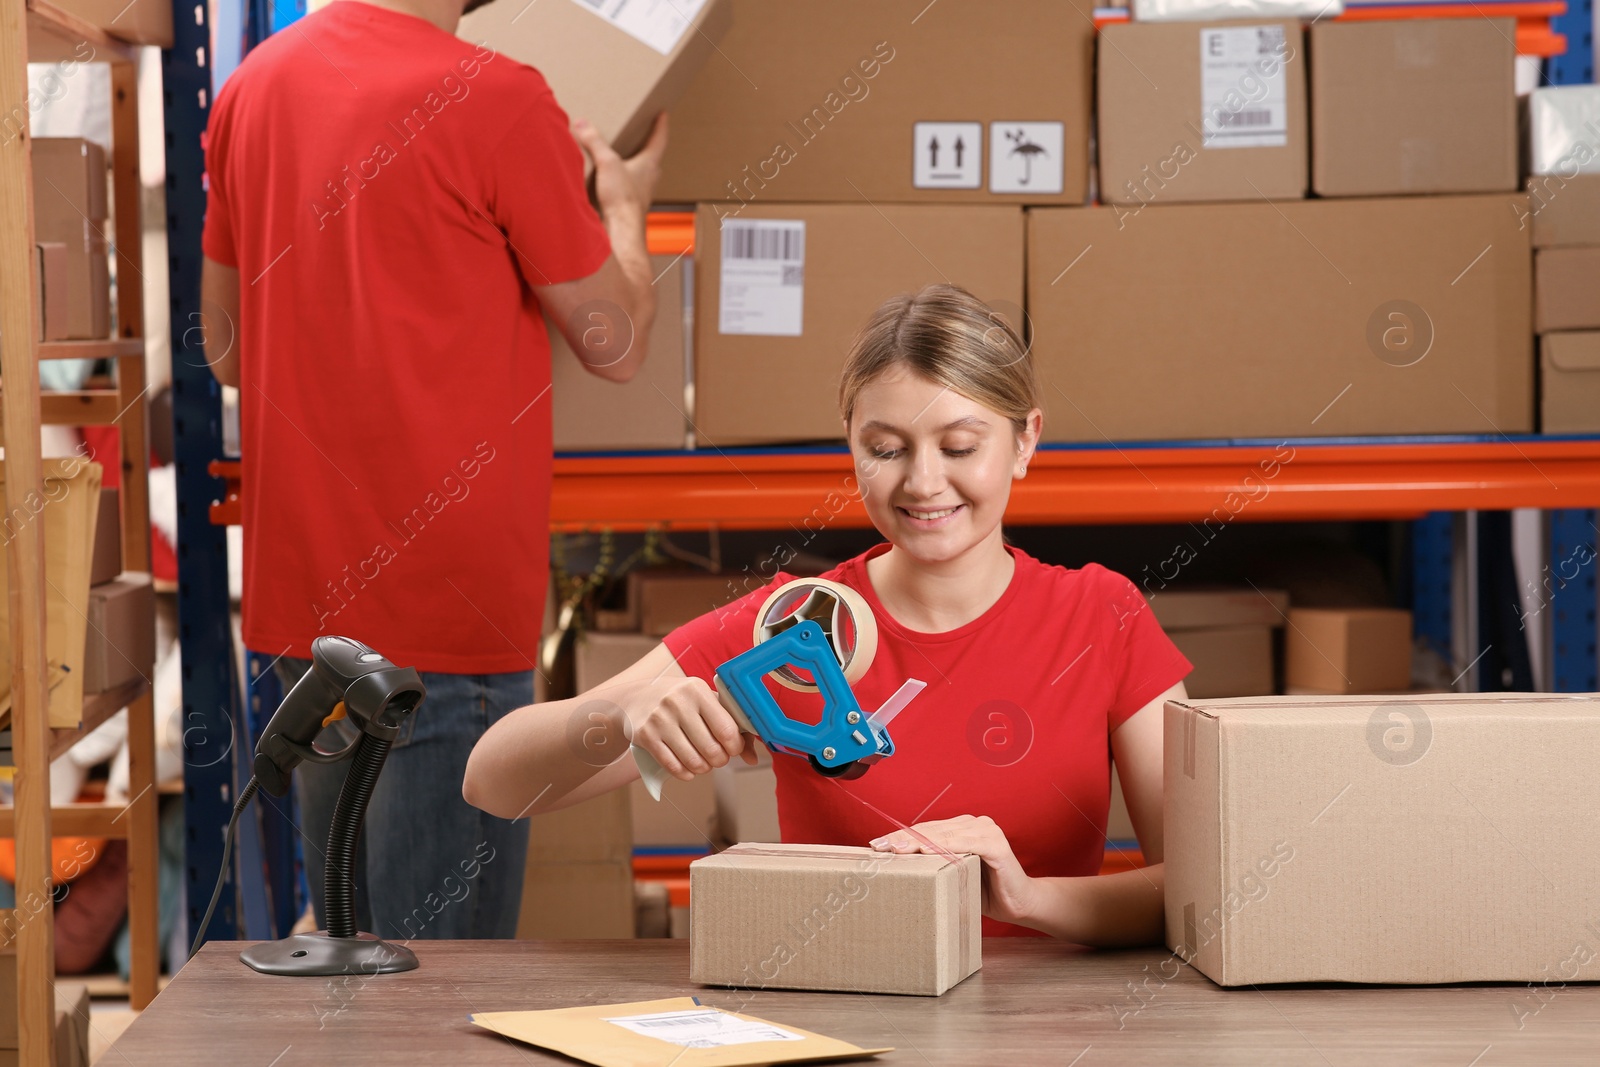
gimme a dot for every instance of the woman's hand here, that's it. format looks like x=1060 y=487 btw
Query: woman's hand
x=1009 y=894
x=684 y=726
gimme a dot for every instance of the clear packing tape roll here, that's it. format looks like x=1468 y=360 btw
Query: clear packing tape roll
x=844 y=617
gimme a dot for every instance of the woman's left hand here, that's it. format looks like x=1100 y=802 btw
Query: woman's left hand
x=1008 y=892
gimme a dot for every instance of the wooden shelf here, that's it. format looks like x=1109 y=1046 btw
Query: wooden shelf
x=55 y=35
x=77 y=820
x=96 y=710
x=111 y=348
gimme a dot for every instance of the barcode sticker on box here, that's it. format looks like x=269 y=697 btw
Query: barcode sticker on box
x=660 y=24
x=705 y=1028
x=1244 y=96
x=763 y=277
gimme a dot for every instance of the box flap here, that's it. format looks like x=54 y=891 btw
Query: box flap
x=1572 y=352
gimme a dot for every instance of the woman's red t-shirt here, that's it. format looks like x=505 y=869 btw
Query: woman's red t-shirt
x=1015 y=722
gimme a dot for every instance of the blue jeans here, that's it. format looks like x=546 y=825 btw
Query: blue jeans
x=428 y=864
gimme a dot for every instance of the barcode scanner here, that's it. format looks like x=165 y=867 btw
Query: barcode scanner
x=347 y=680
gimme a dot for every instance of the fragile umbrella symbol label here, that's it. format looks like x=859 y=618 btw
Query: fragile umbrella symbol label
x=1022 y=146
x=1027 y=157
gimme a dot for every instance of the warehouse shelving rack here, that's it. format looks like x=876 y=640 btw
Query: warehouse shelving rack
x=38 y=31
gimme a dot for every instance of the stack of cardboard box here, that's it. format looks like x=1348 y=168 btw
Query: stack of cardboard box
x=121 y=641
x=1564 y=209
x=70 y=209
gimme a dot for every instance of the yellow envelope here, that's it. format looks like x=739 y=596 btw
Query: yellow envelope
x=680 y=1032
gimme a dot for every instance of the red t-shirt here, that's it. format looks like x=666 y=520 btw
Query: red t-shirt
x=388 y=192
x=1015 y=723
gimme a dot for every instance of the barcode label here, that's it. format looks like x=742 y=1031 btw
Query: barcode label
x=660 y=24
x=754 y=240
x=704 y=1028
x=762 y=292
x=1244 y=99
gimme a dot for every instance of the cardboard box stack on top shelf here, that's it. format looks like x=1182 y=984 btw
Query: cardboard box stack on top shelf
x=70 y=209
x=1564 y=207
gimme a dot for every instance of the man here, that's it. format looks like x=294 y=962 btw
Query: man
x=390 y=210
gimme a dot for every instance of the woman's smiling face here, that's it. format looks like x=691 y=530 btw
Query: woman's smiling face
x=935 y=467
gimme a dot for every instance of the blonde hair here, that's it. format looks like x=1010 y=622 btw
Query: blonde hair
x=948 y=336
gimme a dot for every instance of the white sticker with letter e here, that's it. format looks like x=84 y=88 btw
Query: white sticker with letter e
x=1244 y=96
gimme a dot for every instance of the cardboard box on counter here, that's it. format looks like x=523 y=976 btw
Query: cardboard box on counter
x=834 y=918
x=70 y=208
x=121 y=644
x=1566 y=291
x=52 y=294
x=616 y=63
x=105 y=563
x=1348 y=650
x=1564 y=211
x=589 y=413
x=1423 y=839
x=1413 y=106
x=890 y=101
x=145 y=22
x=784 y=289
x=1315 y=317
x=1569 y=382
x=1193 y=112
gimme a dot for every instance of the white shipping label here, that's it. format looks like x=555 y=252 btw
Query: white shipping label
x=703 y=1028
x=660 y=24
x=763 y=288
x=1244 y=95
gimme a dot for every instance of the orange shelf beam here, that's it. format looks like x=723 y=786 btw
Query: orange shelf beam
x=1302 y=481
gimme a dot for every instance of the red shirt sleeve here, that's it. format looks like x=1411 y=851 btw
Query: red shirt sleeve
x=216 y=239
x=537 y=198
x=702 y=645
x=1147 y=662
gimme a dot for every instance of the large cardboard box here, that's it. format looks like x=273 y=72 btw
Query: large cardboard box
x=121 y=640
x=1413 y=106
x=71 y=1018
x=783 y=290
x=564 y=900
x=889 y=101
x=1348 y=650
x=601 y=657
x=599 y=830
x=53 y=288
x=1356 y=839
x=70 y=208
x=590 y=414
x=617 y=63
x=1566 y=292
x=144 y=22
x=1229 y=661
x=668 y=599
x=1283 y=320
x=1201 y=112
x=1564 y=211
x=834 y=918
x=1569 y=382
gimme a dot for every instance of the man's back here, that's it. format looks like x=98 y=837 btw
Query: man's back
x=388 y=193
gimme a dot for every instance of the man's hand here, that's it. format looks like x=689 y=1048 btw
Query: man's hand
x=624 y=187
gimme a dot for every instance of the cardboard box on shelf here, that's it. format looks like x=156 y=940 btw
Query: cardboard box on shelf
x=1566 y=291
x=1316 y=317
x=652 y=909
x=121 y=640
x=562 y=900
x=1564 y=130
x=783 y=290
x=1354 y=839
x=599 y=830
x=1205 y=607
x=1564 y=211
x=600 y=657
x=591 y=414
x=837 y=100
x=1193 y=112
x=615 y=63
x=53 y=285
x=685 y=816
x=1229 y=661
x=1413 y=106
x=1569 y=382
x=70 y=208
x=668 y=599
x=1348 y=650
x=747 y=801
x=105 y=562
x=145 y=22
x=834 y=918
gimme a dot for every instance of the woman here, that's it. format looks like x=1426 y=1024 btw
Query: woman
x=1036 y=674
